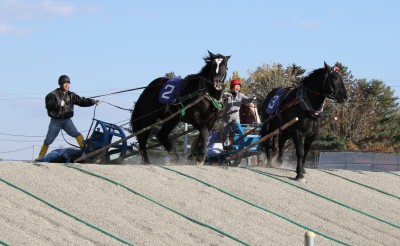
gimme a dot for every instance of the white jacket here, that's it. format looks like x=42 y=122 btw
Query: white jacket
x=232 y=105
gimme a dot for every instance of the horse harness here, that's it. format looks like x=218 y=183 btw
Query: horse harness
x=217 y=104
x=301 y=99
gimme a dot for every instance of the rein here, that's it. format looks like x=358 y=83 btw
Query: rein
x=117 y=92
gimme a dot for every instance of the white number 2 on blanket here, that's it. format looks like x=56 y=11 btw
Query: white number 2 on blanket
x=168 y=90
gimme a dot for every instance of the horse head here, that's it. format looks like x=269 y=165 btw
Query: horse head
x=216 y=69
x=333 y=85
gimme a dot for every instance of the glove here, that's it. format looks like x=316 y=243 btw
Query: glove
x=62 y=103
x=254 y=98
x=97 y=102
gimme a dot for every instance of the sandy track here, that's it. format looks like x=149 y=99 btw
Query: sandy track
x=139 y=221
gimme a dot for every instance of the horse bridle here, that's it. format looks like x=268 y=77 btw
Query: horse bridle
x=332 y=92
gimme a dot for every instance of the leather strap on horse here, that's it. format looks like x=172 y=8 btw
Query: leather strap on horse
x=105 y=148
x=215 y=102
x=180 y=100
x=289 y=105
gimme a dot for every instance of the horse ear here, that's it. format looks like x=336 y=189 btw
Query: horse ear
x=326 y=66
x=227 y=57
x=211 y=54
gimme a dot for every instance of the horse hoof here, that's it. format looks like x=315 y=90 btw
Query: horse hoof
x=200 y=163
x=242 y=165
x=300 y=179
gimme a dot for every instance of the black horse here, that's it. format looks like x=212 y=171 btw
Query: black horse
x=304 y=102
x=203 y=115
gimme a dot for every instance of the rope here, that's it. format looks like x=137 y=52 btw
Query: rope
x=369 y=187
x=144 y=87
x=255 y=205
x=138 y=88
x=66 y=213
x=324 y=197
x=158 y=203
x=130 y=110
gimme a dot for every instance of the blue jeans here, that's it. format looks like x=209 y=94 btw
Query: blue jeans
x=55 y=127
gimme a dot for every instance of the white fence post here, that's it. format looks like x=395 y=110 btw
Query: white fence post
x=185 y=141
x=309 y=238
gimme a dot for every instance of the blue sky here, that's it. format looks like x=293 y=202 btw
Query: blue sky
x=107 y=46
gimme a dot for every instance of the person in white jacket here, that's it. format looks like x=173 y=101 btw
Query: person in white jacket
x=232 y=102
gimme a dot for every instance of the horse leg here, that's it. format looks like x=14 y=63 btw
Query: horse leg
x=281 y=147
x=142 y=139
x=193 y=148
x=298 y=143
x=202 y=145
x=163 y=137
x=307 y=146
x=268 y=145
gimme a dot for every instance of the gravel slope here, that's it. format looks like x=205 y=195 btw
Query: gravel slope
x=271 y=212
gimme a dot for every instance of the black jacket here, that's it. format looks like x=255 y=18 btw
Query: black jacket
x=53 y=103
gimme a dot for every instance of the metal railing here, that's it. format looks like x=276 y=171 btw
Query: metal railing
x=368 y=161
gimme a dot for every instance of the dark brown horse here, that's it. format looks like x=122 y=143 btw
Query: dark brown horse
x=306 y=103
x=248 y=114
x=148 y=109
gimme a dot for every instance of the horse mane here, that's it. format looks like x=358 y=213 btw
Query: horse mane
x=204 y=70
x=313 y=76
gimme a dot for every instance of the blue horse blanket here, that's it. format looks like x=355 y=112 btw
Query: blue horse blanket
x=170 y=90
x=274 y=102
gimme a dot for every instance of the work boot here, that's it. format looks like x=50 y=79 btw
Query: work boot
x=43 y=151
x=79 y=139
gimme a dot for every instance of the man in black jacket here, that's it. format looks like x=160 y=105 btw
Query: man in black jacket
x=60 y=108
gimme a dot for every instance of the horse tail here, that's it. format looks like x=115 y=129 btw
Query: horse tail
x=263 y=132
x=268 y=126
x=135 y=115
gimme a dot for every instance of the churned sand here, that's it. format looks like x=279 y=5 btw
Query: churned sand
x=151 y=205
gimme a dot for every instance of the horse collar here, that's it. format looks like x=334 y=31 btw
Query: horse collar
x=305 y=104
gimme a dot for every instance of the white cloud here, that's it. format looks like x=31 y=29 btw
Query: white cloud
x=308 y=24
x=9 y=29
x=15 y=15
x=28 y=10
